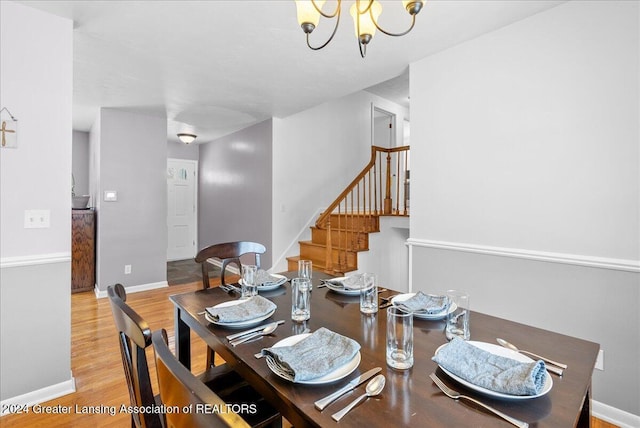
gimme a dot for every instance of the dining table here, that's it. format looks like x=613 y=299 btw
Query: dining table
x=410 y=398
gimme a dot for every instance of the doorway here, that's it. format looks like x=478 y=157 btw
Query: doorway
x=182 y=209
x=383 y=124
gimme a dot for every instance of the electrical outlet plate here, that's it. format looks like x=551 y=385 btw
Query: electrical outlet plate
x=34 y=219
x=127 y=269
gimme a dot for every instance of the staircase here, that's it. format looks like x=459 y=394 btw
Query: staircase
x=343 y=229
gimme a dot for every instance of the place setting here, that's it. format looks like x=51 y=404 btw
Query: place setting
x=347 y=285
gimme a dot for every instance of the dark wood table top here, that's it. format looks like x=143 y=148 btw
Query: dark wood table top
x=409 y=398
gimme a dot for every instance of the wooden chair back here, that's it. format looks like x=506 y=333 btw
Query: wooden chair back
x=134 y=337
x=180 y=389
x=228 y=252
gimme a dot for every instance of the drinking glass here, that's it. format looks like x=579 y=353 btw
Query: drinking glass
x=399 y=338
x=300 y=299
x=369 y=294
x=305 y=270
x=249 y=286
x=458 y=319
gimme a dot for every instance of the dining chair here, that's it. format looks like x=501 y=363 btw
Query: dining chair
x=227 y=252
x=179 y=388
x=134 y=337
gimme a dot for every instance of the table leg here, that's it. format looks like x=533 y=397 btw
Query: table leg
x=584 y=419
x=182 y=340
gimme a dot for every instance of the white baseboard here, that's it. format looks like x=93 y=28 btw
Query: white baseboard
x=39 y=396
x=293 y=248
x=134 y=289
x=614 y=416
x=545 y=256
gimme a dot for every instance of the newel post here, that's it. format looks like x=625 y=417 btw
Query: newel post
x=387 y=196
x=328 y=263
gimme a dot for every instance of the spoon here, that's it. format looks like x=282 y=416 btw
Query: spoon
x=373 y=388
x=514 y=348
x=264 y=332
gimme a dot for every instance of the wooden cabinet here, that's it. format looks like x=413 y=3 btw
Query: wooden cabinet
x=83 y=250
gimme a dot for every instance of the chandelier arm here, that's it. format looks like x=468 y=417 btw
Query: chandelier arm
x=330 y=37
x=326 y=15
x=413 y=22
x=366 y=9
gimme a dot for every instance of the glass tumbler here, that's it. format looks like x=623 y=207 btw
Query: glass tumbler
x=300 y=299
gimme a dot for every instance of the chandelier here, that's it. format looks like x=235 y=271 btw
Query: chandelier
x=365 y=15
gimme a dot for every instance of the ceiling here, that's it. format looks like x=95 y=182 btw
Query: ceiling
x=214 y=67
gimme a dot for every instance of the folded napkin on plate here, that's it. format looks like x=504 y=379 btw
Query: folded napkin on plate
x=314 y=356
x=493 y=372
x=351 y=282
x=254 y=307
x=424 y=303
x=264 y=278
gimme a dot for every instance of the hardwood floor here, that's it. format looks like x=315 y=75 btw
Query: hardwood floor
x=97 y=367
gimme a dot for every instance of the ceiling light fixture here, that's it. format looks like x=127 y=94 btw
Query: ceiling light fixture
x=365 y=15
x=187 y=138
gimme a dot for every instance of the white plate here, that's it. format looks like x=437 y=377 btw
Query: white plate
x=339 y=373
x=503 y=352
x=272 y=285
x=437 y=316
x=342 y=290
x=239 y=324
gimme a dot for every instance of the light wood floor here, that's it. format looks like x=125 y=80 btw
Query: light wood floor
x=96 y=363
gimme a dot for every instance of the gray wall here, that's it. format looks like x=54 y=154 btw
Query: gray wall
x=525 y=145
x=235 y=189
x=35 y=265
x=80 y=163
x=132 y=160
x=183 y=151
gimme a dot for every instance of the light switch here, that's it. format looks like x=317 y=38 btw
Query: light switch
x=37 y=219
x=110 y=195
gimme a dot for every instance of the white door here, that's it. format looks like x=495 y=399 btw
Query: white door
x=181 y=208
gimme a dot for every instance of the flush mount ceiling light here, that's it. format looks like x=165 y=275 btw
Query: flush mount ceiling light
x=187 y=138
x=365 y=15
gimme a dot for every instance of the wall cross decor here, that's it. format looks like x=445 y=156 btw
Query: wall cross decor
x=8 y=129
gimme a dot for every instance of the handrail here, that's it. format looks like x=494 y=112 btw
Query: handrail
x=367 y=192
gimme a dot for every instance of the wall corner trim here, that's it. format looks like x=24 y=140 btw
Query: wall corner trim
x=545 y=256
x=39 y=396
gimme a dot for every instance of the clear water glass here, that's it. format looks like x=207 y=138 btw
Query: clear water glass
x=369 y=294
x=249 y=286
x=399 y=338
x=458 y=318
x=300 y=299
x=305 y=270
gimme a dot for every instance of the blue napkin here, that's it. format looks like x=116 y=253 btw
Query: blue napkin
x=424 y=303
x=493 y=372
x=314 y=356
x=265 y=279
x=252 y=308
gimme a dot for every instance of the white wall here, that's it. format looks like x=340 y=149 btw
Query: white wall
x=318 y=152
x=36 y=86
x=234 y=190
x=132 y=160
x=526 y=139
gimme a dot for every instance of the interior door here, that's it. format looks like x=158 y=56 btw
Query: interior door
x=181 y=208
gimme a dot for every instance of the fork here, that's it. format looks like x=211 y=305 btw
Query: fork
x=456 y=395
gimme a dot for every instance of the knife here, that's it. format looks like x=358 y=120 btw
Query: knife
x=252 y=330
x=324 y=402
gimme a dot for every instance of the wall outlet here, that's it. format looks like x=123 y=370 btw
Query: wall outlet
x=37 y=219
x=600 y=360
x=127 y=269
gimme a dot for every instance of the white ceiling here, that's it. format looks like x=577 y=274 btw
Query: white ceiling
x=213 y=67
